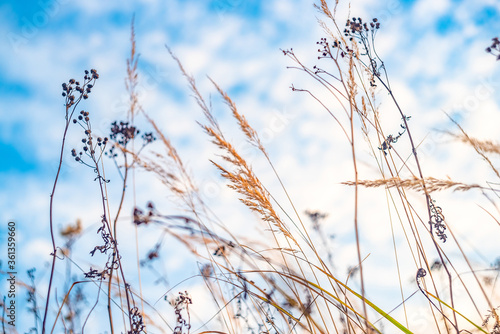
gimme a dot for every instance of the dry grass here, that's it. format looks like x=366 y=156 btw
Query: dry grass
x=275 y=277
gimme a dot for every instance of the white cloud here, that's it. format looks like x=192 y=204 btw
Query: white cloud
x=426 y=12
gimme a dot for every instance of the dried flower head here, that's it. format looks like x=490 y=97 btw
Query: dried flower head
x=69 y=90
x=122 y=132
x=494 y=48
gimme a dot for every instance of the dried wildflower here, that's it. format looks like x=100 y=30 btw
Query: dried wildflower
x=436 y=265
x=437 y=221
x=220 y=251
x=316 y=217
x=139 y=217
x=122 y=132
x=94 y=74
x=421 y=273
x=493 y=314
x=181 y=303
x=137 y=322
x=93 y=273
x=356 y=27
x=206 y=270
x=148 y=137
x=32 y=289
x=109 y=242
x=326 y=50
x=69 y=90
x=387 y=143
x=153 y=255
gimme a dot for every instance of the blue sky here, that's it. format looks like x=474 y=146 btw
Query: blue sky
x=433 y=50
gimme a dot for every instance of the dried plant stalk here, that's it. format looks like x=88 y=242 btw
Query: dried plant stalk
x=432 y=184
